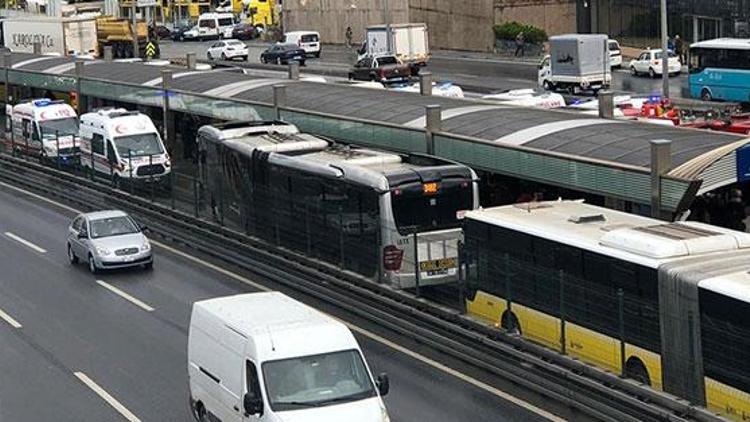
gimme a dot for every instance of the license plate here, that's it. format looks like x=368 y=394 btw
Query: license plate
x=436 y=265
x=297 y=58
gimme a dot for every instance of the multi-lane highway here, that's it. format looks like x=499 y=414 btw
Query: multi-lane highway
x=78 y=347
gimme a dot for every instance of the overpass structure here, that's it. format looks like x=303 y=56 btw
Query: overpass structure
x=584 y=153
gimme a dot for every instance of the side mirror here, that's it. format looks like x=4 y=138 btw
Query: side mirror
x=383 y=383
x=253 y=405
x=82 y=234
x=143 y=228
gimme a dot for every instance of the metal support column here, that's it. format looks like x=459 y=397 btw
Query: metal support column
x=37 y=48
x=134 y=29
x=293 y=72
x=79 y=76
x=166 y=85
x=661 y=161
x=665 y=54
x=425 y=83
x=433 y=124
x=190 y=61
x=606 y=104
x=279 y=99
x=7 y=63
x=108 y=53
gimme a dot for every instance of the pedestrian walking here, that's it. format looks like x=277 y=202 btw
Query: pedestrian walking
x=679 y=48
x=349 y=36
x=520 y=44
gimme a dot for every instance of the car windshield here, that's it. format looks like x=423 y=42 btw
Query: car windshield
x=61 y=127
x=613 y=46
x=387 y=60
x=659 y=55
x=139 y=145
x=113 y=226
x=315 y=381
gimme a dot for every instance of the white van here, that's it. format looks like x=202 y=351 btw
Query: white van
x=307 y=40
x=264 y=357
x=43 y=128
x=213 y=25
x=124 y=145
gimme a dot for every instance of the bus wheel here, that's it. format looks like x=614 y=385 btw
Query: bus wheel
x=510 y=323
x=636 y=370
x=706 y=95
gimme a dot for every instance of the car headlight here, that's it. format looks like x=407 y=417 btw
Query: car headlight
x=146 y=246
x=384 y=415
x=102 y=251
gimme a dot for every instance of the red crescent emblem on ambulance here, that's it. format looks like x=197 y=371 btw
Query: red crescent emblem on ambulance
x=121 y=128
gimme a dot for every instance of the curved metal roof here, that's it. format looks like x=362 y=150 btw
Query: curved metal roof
x=623 y=144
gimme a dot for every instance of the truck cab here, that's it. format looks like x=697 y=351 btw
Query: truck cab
x=264 y=357
x=44 y=128
x=123 y=145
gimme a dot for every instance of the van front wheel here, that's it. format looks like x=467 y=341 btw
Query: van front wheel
x=200 y=412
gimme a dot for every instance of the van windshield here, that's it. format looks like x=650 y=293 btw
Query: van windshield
x=142 y=144
x=58 y=127
x=318 y=380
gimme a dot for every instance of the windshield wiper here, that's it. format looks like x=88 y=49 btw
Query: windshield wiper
x=352 y=397
x=296 y=403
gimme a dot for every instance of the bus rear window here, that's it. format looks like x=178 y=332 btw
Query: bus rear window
x=417 y=207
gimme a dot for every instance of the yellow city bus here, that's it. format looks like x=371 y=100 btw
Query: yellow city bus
x=667 y=304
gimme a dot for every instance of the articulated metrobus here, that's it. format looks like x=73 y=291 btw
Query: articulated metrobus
x=358 y=208
x=720 y=70
x=667 y=304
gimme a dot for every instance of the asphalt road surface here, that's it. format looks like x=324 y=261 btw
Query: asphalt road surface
x=475 y=73
x=112 y=347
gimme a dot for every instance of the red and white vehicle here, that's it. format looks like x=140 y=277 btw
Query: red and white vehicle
x=124 y=145
x=42 y=128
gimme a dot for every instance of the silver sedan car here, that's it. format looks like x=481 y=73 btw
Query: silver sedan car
x=108 y=240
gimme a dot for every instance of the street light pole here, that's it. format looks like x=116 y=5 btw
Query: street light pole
x=387 y=19
x=664 y=51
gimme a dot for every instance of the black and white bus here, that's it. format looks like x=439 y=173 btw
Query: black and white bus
x=358 y=208
x=667 y=304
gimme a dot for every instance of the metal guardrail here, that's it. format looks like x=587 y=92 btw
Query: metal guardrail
x=573 y=383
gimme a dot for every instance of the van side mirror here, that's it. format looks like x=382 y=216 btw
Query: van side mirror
x=83 y=234
x=253 y=404
x=383 y=383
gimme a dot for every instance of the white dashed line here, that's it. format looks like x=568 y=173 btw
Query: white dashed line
x=25 y=242
x=107 y=397
x=125 y=296
x=7 y=318
x=437 y=365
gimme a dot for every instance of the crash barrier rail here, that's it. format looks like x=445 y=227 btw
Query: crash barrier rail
x=625 y=182
x=602 y=395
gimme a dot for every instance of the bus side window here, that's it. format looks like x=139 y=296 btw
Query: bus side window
x=97 y=144
x=111 y=155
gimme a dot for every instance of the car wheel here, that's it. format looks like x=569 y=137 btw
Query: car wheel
x=706 y=95
x=633 y=71
x=547 y=86
x=92 y=265
x=651 y=73
x=351 y=76
x=263 y=60
x=317 y=54
x=209 y=56
x=244 y=58
x=223 y=57
x=302 y=63
x=72 y=258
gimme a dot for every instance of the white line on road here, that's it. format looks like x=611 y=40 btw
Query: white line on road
x=125 y=296
x=107 y=397
x=13 y=323
x=25 y=242
x=437 y=365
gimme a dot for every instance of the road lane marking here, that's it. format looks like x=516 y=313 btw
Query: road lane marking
x=25 y=242
x=107 y=397
x=12 y=322
x=125 y=296
x=430 y=362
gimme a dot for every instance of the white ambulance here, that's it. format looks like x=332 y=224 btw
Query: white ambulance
x=43 y=128
x=124 y=145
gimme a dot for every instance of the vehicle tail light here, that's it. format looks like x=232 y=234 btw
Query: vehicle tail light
x=392 y=258
x=382 y=73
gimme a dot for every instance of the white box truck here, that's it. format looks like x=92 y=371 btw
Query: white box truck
x=264 y=357
x=63 y=36
x=576 y=62
x=409 y=42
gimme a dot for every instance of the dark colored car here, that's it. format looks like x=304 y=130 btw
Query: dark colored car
x=283 y=54
x=244 y=31
x=178 y=31
x=381 y=69
x=162 y=32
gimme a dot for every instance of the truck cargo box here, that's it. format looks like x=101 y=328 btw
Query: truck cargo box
x=579 y=55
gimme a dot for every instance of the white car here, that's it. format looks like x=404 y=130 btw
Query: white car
x=227 y=50
x=615 y=54
x=649 y=62
x=307 y=40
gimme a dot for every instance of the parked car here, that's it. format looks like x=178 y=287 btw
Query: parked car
x=649 y=62
x=108 y=240
x=186 y=34
x=380 y=68
x=244 y=31
x=307 y=40
x=227 y=50
x=162 y=32
x=283 y=54
x=615 y=54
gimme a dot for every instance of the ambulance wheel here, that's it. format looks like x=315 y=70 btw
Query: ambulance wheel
x=116 y=182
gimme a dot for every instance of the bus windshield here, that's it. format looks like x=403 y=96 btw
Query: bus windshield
x=58 y=127
x=416 y=208
x=316 y=381
x=142 y=144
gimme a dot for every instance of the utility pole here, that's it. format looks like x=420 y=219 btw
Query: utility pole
x=387 y=19
x=664 y=51
x=133 y=9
